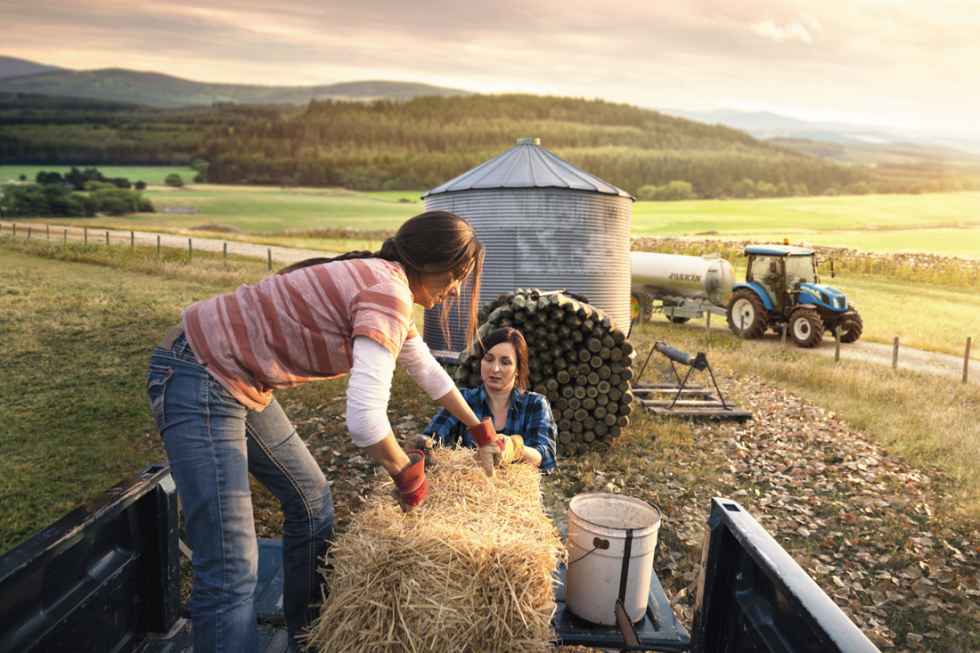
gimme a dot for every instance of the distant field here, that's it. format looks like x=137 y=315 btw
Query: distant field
x=940 y=223
x=149 y=174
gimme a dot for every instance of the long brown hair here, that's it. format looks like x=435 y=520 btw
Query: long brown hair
x=514 y=337
x=431 y=242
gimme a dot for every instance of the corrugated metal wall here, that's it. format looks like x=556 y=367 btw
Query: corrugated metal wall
x=544 y=238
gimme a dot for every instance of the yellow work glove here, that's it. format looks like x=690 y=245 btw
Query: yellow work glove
x=512 y=451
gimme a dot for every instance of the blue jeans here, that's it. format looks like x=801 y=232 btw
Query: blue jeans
x=213 y=443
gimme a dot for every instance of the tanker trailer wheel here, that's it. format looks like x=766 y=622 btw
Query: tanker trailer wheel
x=851 y=327
x=806 y=327
x=746 y=314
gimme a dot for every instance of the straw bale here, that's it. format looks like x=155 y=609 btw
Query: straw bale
x=470 y=570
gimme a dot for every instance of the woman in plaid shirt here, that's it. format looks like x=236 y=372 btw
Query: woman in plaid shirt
x=524 y=417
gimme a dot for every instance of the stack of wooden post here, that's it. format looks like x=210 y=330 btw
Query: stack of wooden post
x=579 y=359
x=469 y=570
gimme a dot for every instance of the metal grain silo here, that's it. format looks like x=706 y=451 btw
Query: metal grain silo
x=545 y=224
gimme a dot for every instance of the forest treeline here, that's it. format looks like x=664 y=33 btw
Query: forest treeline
x=424 y=142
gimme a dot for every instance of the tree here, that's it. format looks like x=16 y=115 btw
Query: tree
x=22 y=177
x=200 y=166
x=140 y=185
x=173 y=179
x=45 y=178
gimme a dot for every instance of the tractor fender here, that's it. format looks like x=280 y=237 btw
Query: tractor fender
x=757 y=288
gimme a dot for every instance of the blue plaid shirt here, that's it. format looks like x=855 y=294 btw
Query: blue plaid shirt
x=529 y=416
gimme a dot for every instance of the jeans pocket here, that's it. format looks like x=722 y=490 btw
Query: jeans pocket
x=156 y=392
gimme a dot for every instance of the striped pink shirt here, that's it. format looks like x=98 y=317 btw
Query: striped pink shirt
x=297 y=327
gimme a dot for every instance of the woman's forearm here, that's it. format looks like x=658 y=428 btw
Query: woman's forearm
x=453 y=402
x=388 y=453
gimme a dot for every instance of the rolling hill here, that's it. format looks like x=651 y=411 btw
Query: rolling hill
x=159 y=90
x=14 y=67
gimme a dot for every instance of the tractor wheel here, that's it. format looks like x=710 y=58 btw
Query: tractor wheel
x=678 y=320
x=806 y=327
x=746 y=314
x=641 y=307
x=851 y=327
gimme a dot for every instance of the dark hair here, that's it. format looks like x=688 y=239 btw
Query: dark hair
x=514 y=337
x=431 y=242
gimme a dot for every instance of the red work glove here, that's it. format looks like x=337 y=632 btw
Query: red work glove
x=486 y=443
x=412 y=485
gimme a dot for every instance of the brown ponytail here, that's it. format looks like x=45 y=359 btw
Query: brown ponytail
x=431 y=242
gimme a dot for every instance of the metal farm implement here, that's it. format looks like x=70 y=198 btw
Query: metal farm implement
x=680 y=399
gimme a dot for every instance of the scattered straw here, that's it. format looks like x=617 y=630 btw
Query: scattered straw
x=470 y=570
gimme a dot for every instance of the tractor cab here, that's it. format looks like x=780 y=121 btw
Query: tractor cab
x=782 y=288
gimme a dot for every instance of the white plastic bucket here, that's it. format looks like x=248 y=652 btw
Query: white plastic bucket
x=597 y=532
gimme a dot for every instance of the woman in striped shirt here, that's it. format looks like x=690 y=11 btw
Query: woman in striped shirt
x=210 y=386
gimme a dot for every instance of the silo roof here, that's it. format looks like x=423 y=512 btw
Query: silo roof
x=528 y=165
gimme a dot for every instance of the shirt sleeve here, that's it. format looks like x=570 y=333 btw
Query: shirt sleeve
x=383 y=313
x=368 y=392
x=541 y=432
x=447 y=430
x=444 y=428
x=418 y=361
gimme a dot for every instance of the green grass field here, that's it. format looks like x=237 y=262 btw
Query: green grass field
x=149 y=174
x=939 y=223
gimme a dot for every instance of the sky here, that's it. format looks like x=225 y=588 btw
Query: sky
x=913 y=64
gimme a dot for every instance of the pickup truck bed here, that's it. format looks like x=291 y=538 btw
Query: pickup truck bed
x=106 y=578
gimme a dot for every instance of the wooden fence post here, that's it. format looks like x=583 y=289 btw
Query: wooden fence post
x=269 y=256
x=14 y=225
x=190 y=249
x=966 y=359
x=224 y=249
x=895 y=354
x=47 y=230
x=107 y=238
x=28 y=232
x=836 y=345
x=782 y=335
x=85 y=235
x=132 y=240
x=158 y=245
x=66 y=236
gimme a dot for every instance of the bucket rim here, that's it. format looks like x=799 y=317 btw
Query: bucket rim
x=599 y=495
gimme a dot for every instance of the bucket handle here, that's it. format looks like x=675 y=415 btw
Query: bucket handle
x=597 y=543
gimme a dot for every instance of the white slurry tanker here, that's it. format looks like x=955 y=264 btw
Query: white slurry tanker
x=680 y=287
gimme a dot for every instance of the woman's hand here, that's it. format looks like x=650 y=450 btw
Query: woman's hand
x=486 y=441
x=413 y=487
x=512 y=449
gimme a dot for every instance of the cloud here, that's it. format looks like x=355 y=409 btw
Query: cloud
x=861 y=56
x=794 y=31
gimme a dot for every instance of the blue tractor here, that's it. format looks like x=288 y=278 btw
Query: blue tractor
x=782 y=289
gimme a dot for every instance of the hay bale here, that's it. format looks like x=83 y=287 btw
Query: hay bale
x=469 y=570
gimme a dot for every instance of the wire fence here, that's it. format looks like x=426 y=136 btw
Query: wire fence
x=115 y=237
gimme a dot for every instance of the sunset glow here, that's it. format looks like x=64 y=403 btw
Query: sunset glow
x=880 y=62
